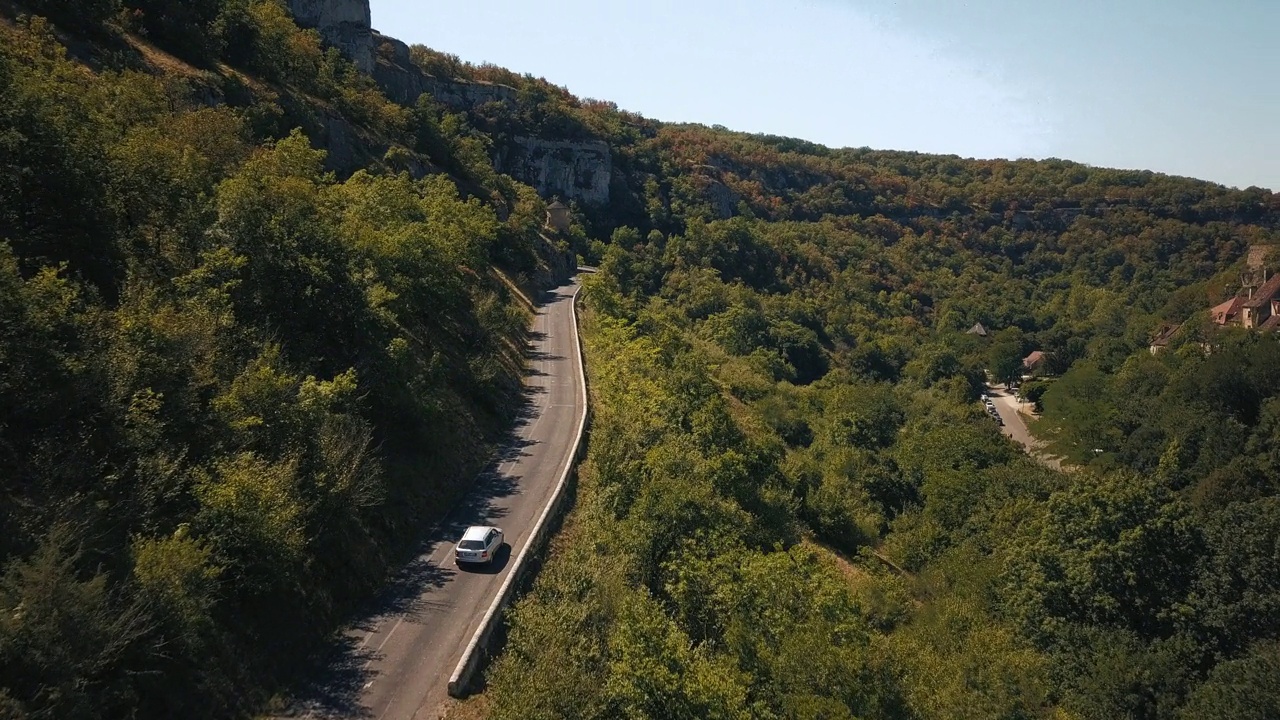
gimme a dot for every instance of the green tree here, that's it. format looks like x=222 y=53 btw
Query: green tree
x=1004 y=360
x=1237 y=589
x=1117 y=550
x=66 y=640
x=1247 y=688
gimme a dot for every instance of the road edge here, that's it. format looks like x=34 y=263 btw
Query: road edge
x=470 y=659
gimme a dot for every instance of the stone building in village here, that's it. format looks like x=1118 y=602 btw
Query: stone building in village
x=1255 y=306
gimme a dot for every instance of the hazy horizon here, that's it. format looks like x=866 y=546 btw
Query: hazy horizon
x=1176 y=87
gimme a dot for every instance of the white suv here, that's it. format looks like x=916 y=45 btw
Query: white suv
x=479 y=544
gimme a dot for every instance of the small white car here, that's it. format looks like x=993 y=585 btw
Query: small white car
x=479 y=544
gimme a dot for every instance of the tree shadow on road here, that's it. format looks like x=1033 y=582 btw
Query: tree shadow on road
x=335 y=692
x=408 y=585
x=339 y=675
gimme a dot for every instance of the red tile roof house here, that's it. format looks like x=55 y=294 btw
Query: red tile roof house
x=1033 y=361
x=1261 y=306
x=1228 y=312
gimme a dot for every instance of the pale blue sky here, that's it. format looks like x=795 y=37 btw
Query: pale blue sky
x=1188 y=87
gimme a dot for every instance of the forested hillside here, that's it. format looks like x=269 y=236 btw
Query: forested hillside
x=233 y=386
x=232 y=382
x=793 y=504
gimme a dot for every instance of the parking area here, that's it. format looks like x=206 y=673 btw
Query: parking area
x=1004 y=407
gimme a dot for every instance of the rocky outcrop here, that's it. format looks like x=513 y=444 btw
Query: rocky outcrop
x=344 y=24
x=557 y=265
x=461 y=95
x=403 y=82
x=573 y=170
x=724 y=201
x=392 y=50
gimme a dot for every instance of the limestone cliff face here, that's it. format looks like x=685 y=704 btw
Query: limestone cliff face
x=344 y=24
x=573 y=170
x=403 y=82
x=464 y=95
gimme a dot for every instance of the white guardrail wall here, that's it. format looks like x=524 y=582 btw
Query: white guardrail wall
x=470 y=659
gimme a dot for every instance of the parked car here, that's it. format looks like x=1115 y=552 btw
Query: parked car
x=479 y=544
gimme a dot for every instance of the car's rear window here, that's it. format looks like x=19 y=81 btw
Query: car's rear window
x=471 y=545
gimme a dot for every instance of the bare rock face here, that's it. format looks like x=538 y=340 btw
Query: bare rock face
x=460 y=95
x=724 y=201
x=396 y=51
x=404 y=82
x=344 y=24
x=573 y=170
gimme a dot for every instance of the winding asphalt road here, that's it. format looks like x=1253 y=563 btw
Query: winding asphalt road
x=396 y=665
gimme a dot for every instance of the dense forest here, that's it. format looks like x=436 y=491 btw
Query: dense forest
x=232 y=382
x=793 y=504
